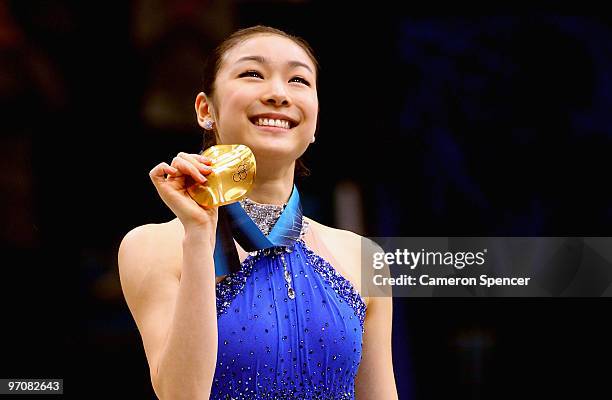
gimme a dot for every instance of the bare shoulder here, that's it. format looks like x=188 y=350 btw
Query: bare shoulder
x=151 y=246
x=346 y=248
x=349 y=241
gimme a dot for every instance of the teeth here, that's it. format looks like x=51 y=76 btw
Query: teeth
x=273 y=122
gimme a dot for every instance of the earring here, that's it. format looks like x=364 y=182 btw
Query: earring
x=208 y=123
x=312 y=140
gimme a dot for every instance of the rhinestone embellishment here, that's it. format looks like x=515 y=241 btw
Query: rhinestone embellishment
x=264 y=215
x=290 y=291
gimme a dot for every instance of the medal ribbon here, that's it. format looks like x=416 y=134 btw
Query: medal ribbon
x=235 y=223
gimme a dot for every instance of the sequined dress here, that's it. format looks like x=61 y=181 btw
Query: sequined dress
x=274 y=344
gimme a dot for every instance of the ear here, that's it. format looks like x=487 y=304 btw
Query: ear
x=202 y=108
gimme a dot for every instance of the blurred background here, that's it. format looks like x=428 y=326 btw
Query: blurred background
x=431 y=125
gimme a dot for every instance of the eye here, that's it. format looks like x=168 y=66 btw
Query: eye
x=253 y=74
x=300 y=79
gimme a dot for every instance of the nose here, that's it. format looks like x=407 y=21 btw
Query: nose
x=277 y=94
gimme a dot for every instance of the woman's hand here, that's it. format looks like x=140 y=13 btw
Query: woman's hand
x=185 y=170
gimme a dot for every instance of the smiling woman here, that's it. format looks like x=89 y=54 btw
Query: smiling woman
x=275 y=63
x=291 y=321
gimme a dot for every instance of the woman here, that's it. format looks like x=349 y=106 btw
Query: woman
x=290 y=323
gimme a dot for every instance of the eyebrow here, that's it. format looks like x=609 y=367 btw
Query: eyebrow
x=263 y=60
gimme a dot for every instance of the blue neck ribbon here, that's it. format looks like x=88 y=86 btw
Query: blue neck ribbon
x=235 y=223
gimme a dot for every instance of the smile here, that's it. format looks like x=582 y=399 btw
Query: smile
x=272 y=124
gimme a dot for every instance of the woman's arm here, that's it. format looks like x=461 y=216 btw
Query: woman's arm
x=375 y=379
x=176 y=317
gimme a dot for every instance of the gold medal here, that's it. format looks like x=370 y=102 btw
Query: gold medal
x=232 y=176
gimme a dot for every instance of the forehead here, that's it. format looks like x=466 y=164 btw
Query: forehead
x=275 y=48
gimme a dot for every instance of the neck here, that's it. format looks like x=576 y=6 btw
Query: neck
x=273 y=185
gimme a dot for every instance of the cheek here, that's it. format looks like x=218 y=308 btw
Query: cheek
x=234 y=102
x=310 y=106
x=233 y=110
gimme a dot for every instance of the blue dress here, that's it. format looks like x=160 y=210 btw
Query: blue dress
x=275 y=347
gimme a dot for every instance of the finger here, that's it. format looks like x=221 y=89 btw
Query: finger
x=201 y=162
x=170 y=171
x=160 y=170
x=187 y=168
x=204 y=159
x=195 y=161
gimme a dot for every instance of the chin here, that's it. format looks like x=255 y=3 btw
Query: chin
x=274 y=151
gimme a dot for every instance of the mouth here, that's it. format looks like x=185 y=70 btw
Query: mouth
x=273 y=124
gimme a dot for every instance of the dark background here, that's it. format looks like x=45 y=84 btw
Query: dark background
x=461 y=124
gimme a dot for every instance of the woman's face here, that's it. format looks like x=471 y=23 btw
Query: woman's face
x=267 y=77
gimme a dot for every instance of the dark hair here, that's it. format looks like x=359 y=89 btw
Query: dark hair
x=213 y=64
